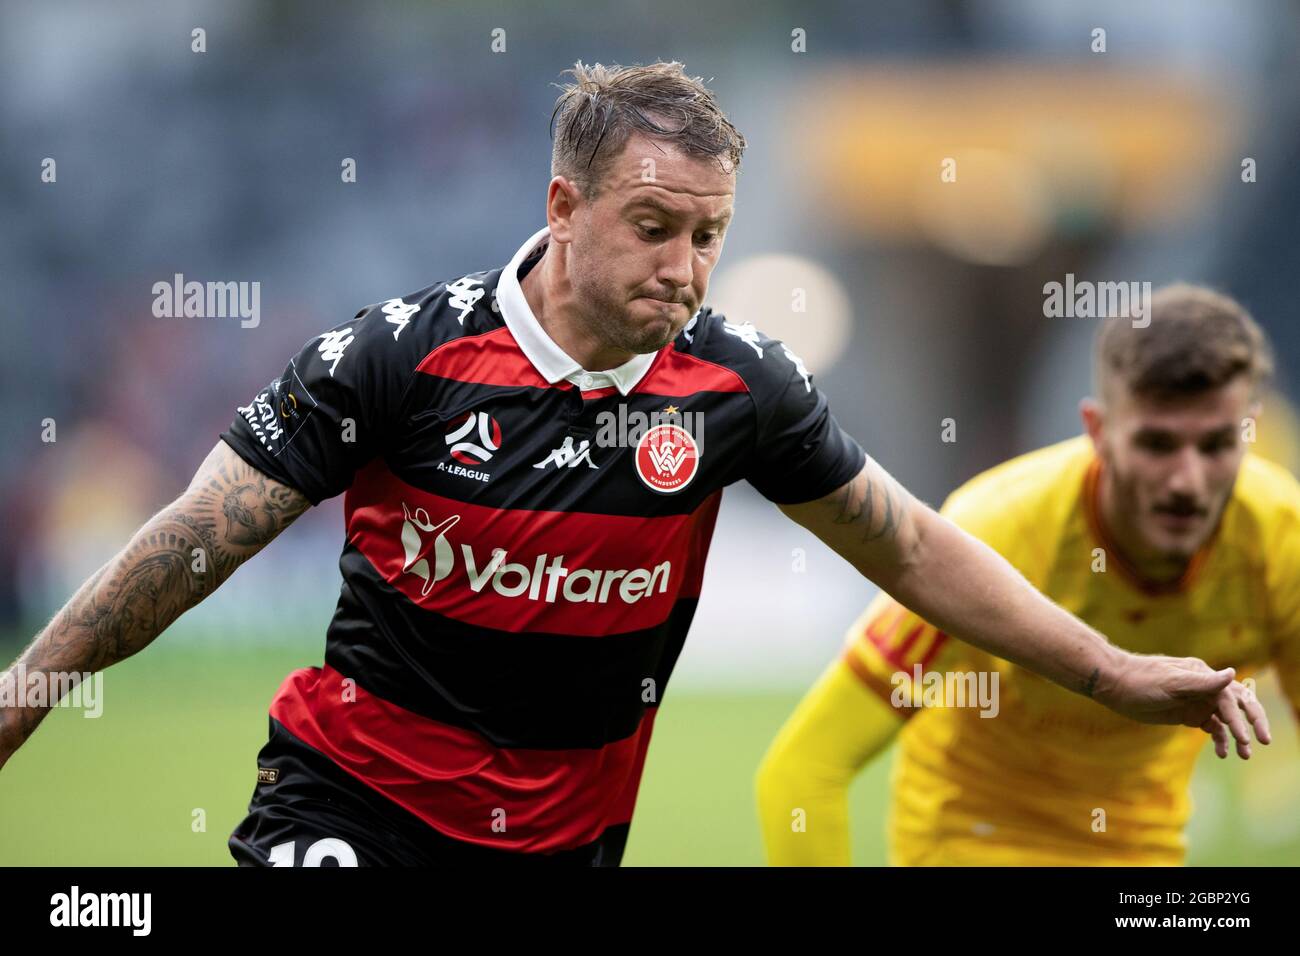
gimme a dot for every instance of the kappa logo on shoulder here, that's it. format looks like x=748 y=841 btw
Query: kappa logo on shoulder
x=332 y=345
x=666 y=458
x=399 y=314
x=463 y=295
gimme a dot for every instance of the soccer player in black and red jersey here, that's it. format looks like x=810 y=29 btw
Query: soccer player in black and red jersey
x=521 y=570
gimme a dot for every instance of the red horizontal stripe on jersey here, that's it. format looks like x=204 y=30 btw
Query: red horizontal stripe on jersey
x=458 y=782
x=676 y=373
x=492 y=358
x=563 y=572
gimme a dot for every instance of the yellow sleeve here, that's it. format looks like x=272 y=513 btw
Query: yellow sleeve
x=844 y=721
x=803 y=781
x=1284 y=591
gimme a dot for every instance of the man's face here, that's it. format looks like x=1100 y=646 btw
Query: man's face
x=1173 y=463
x=641 y=253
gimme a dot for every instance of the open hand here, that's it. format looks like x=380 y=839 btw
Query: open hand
x=1156 y=689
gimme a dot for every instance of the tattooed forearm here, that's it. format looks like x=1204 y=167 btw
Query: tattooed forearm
x=229 y=512
x=957 y=583
x=871 y=503
x=870 y=521
x=130 y=600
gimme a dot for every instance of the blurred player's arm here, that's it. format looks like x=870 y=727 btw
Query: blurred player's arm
x=1282 y=579
x=842 y=723
x=847 y=719
x=967 y=589
x=229 y=512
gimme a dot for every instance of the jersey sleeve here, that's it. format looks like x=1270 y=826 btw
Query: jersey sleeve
x=328 y=414
x=801 y=453
x=886 y=644
x=1284 y=589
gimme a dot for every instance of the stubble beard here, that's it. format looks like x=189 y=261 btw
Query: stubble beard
x=609 y=320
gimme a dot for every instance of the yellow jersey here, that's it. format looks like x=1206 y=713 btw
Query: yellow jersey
x=1053 y=777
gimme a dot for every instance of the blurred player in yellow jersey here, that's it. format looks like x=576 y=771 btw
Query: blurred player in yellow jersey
x=1160 y=529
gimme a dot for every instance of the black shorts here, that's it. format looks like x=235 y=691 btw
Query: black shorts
x=306 y=811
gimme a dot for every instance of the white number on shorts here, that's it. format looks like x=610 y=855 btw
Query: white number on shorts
x=343 y=855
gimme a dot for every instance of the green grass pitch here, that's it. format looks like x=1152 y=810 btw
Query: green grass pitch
x=181 y=729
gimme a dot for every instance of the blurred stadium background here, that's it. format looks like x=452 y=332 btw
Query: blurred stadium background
x=925 y=302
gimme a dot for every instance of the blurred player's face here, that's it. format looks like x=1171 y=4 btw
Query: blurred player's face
x=640 y=254
x=1170 y=465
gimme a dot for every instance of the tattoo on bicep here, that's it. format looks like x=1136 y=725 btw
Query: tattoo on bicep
x=245 y=510
x=873 y=505
x=1091 y=685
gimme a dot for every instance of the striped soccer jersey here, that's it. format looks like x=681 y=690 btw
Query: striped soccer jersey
x=525 y=543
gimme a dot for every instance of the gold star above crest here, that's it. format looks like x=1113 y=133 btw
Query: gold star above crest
x=670 y=410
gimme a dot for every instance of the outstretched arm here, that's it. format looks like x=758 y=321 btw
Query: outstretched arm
x=967 y=589
x=229 y=512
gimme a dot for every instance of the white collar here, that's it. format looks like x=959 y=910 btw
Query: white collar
x=539 y=348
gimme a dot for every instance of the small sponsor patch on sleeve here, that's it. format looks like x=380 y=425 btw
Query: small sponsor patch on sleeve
x=277 y=413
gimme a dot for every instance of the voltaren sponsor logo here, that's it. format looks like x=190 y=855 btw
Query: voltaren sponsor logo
x=430 y=557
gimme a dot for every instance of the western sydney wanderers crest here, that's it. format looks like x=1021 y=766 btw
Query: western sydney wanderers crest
x=667 y=458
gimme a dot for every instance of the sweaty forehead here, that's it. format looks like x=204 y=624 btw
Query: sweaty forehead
x=678 y=204
x=663 y=175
